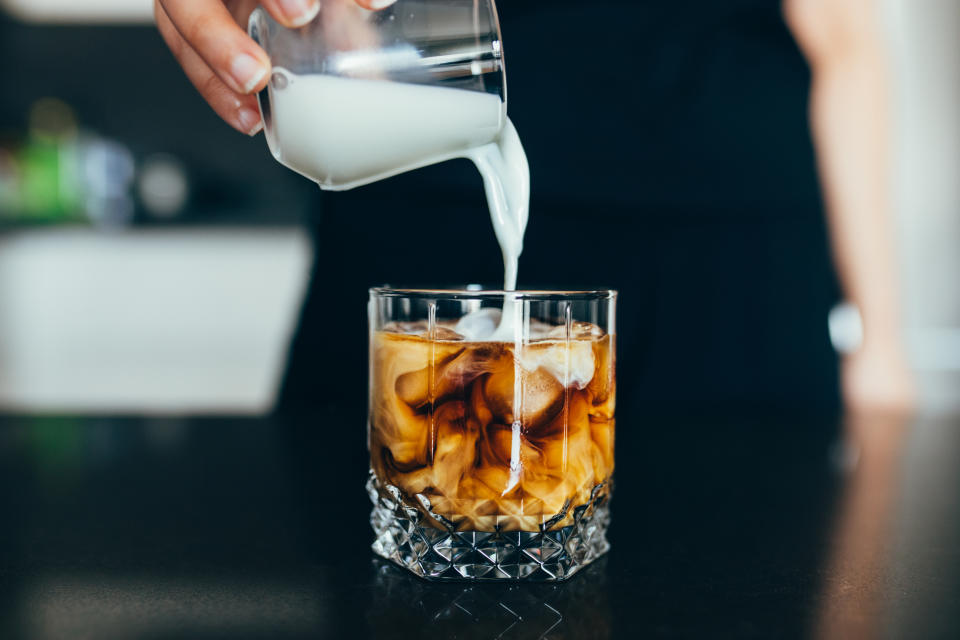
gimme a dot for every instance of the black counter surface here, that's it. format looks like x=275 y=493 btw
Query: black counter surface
x=246 y=528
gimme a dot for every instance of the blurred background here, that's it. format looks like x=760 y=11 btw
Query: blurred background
x=156 y=264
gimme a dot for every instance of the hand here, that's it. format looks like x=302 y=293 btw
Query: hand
x=876 y=380
x=209 y=40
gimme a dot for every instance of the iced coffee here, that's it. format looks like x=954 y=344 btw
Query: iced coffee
x=493 y=435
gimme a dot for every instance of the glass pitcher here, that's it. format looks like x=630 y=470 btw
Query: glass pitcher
x=357 y=96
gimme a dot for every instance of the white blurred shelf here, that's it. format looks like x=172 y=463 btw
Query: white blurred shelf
x=85 y=12
x=169 y=322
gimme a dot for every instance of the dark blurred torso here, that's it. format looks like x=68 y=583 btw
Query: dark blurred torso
x=671 y=159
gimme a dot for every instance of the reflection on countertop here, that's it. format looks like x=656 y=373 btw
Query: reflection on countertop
x=756 y=527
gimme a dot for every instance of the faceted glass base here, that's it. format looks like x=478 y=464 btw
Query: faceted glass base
x=404 y=536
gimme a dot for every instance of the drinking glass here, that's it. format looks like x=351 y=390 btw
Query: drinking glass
x=357 y=96
x=491 y=430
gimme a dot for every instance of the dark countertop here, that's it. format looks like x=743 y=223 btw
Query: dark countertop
x=244 y=528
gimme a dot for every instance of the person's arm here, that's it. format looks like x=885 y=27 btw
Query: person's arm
x=221 y=61
x=850 y=120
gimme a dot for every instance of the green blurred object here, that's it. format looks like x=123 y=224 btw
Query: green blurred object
x=47 y=192
x=55 y=444
x=58 y=175
x=56 y=449
x=49 y=188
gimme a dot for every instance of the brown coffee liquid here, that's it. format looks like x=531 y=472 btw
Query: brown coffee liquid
x=486 y=436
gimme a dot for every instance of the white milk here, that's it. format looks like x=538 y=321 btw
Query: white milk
x=506 y=180
x=344 y=132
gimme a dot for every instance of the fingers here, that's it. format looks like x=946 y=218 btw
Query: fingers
x=375 y=5
x=218 y=57
x=210 y=30
x=238 y=110
x=296 y=13
x=292 y=13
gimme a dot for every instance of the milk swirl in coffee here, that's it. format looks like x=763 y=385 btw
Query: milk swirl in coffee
x=493 y=436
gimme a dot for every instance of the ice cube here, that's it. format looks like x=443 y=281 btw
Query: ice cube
x=442 y=333
x=539 y=330
x=540 y=396
x=473 y=362
x=409 y=328
x=403 y=433
x=450 y=376
x=422 y=328
x=478 y=406
x=479 y=325
x=602 y=434
x=413 y=388
x=578 y=331
x=571 y=362
x=602 y=386
x=455 y=447
x=496 y=448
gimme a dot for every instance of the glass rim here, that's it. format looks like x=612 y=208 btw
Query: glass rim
x=486 y=294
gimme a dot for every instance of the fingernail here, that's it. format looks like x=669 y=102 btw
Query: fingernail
x=248 y=71
x=300 y=12
x=250 y=121
x=381 y=4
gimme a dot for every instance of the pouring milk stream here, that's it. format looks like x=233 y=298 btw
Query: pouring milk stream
x=345 y=132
